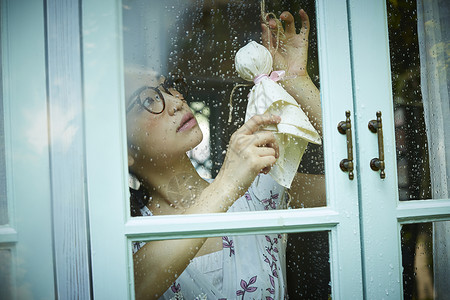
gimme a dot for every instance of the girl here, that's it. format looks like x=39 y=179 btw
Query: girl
x=160 y=129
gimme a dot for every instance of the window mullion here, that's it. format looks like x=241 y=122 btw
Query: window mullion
x=423 y=211
x=236 y=223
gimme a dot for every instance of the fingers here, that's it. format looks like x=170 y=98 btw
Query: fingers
x=263 y=138
x=261 y=143
x=289 y=22
x=266 y=36
x=288 y=19
x=266 y=163
x=305 y=23
x=272 y=24
x=258 y=121
x=275 y=27
x=266 y=151
x=275 y=147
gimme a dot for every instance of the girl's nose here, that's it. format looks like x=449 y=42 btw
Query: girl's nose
x=174 y=104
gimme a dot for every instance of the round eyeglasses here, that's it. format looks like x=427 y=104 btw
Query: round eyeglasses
x=152 y=99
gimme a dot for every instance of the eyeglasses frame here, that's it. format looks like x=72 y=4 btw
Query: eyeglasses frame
x=138 y=100
x=168 y=82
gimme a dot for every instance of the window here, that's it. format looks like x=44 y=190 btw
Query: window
x=363 y=218
x=200 y=40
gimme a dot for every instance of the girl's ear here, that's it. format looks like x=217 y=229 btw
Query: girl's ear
x=130 y=160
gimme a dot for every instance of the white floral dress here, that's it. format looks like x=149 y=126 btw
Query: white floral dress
x=249 y=266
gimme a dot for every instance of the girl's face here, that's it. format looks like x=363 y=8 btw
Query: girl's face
x=162 y=136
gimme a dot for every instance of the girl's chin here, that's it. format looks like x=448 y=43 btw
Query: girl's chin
x=195 y=138
x=178 y=146
x=185 y=145
x=193 y=145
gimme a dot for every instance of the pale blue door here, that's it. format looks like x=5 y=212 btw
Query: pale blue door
x=398 y=64
x=363 y=216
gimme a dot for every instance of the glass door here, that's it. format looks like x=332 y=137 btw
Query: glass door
x=187 y=36
x=401 y=103
x=384 y=229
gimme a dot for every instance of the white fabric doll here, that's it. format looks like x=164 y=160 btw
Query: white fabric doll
x=253 y=62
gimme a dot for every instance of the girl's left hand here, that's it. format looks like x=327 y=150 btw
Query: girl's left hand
x=292 y=53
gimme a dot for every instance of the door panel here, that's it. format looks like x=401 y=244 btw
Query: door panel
x=421 y=107
x=407 y=174
x=376 y=219
x=105 y=125
x=379 y=227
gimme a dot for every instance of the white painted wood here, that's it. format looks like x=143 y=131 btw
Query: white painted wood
x=67 y=157
x=382 y=213
x=299 y=220
x=378 y=197
x=105 y=147
x=423 y=211
x=8 y=235
x=342 y=193
x=26 y=148
x=106 y=167
x=27 y=158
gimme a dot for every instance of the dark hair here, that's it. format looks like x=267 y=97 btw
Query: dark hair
x=138 y=199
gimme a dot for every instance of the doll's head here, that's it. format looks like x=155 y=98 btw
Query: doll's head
x=253 y=60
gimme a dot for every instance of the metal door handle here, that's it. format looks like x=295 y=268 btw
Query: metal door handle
x=345 y=127
x=377 y=164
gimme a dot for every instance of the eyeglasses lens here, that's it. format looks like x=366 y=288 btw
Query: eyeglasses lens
x=152 y=100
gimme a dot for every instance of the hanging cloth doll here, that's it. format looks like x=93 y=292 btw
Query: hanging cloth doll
x=253 y=62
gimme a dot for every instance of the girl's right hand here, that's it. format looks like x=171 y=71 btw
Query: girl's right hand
x=292 y=52
x=250 y=152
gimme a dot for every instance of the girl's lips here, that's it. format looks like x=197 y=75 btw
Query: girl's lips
x=187 y=122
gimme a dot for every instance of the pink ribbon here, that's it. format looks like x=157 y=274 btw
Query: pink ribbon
x=275 y=76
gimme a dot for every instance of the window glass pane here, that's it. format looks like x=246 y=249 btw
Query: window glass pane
x=270 y=266
x=426 y=260
x=308 y=265
x=419 y=40
x=199 y=40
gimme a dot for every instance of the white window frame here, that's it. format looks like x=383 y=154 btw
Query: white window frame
x=363 y=87
x=107 y=170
